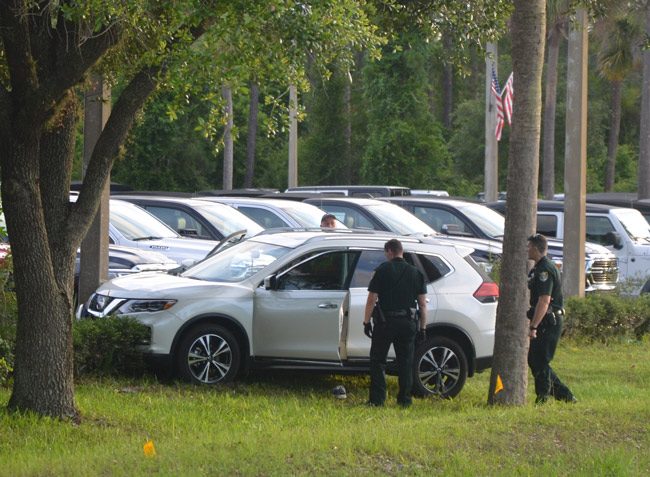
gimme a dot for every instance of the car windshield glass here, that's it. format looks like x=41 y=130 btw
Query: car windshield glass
x=136 y=223
x=400 y=221
x=237 y=263
x=228 y=220
x=634 y=223
x=307 y=215
x=490 y=222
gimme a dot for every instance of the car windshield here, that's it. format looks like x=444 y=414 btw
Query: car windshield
x=490 y=222
x=136 y=223
x=228 y=220
x=307 y=215
x=400 y=221
x=237 y=263
x=634 y=223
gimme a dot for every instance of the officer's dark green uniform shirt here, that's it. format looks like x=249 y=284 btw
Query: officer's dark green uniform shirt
x=544 y=279
x=398 y=285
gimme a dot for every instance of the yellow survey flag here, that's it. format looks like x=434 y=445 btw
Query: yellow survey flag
x=499 y=385
x=149 y=449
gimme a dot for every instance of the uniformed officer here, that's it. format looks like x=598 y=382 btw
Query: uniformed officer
x=398 y=286
x=545 y=314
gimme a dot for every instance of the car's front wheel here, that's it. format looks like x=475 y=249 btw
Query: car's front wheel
x=208 y=354
x=440 y=368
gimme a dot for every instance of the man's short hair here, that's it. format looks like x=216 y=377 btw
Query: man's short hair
x=394 y=246
x=539 y=242
x=327 y=217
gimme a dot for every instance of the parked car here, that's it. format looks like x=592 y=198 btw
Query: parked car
x=274 y=213
x=132 y=226
x=355 y=190
x=296 y=300
x=621 y=199
x=470 y=219
x=623 y=231
x=127 y=260
x=195 y=218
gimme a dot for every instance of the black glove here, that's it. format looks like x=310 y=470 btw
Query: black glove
x=421 y=336
x=367 y=329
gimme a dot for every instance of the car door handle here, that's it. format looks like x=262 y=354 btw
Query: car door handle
x=328 y=305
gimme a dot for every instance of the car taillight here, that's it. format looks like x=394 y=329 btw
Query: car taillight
x=488 y=292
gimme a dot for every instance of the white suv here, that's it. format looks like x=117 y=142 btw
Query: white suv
x=295 y=300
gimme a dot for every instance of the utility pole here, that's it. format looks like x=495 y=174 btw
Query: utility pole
x=491 y=178
x=293 y=136
x=575 y=160
x=93 y=269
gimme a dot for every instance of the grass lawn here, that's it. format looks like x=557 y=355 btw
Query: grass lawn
x=289 y=424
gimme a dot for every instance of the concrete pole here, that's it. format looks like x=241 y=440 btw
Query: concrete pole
x=94 y=247
x=491 y=178
x=293 y=136
x=575 y=160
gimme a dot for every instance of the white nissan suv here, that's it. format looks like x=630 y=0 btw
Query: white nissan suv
x=295 y=300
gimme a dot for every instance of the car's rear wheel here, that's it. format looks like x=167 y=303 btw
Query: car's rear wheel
x=208 y=354
x=440 y=368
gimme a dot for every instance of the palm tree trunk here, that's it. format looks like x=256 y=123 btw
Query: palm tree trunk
x=644 y=143
x=511 y=337
x=251 y=140
x=550 y=102
x=612 y=146
x=227 y=140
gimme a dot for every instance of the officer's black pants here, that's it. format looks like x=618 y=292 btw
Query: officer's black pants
x=540 y=354
x=401 y=333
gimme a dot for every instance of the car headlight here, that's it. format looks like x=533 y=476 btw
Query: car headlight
x=145 y=306
x=104 y=305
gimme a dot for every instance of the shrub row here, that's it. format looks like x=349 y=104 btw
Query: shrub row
x=604 y=317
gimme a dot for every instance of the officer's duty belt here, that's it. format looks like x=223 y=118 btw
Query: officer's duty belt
x=397 y=314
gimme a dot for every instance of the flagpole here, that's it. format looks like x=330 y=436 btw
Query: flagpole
x=491 y=177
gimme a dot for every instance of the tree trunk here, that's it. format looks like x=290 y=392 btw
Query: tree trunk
x=227 y=140
x=644 y=132
x=511 y=337
x=251 y=140
x=550 y=102
x=347 y=146
x=447 y=87
x=43 y=265
x=612 y=145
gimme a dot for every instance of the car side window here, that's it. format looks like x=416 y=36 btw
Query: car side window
x=598 y=229
x=434 y=267
x=179 y=220
x=366 y=265
x=264 y=217
x=547 y=225
x=326 y=271
x=352 y=218
x=436 y=218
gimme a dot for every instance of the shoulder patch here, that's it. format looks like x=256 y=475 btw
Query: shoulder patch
x=543 y=276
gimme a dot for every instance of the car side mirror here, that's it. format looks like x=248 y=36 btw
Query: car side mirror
x=613 y=239
x=271 y=282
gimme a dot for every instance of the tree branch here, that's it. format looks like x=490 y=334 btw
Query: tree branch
x=109 y=143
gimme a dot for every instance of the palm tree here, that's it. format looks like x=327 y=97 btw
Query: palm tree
x=511 y=343
x=644 y=146
x=557 y=26
x=617 y=34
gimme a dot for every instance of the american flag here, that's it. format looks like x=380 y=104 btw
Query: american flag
x=496 y=92
x=509 y=94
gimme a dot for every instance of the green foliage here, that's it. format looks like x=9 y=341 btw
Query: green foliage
x=405 y=143
x=606 y=317
x=108 y=347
